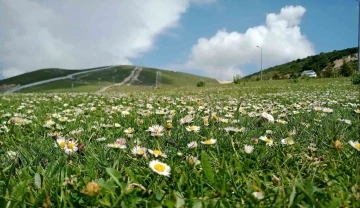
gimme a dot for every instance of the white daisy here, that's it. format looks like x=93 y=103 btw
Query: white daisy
x=157 y=153
x=160 y=168
x=209 y=141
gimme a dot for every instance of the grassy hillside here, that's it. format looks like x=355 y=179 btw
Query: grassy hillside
x=316 y=63
x=39 y=75
x=147 y=77
x=85 y=82
x=90 y=82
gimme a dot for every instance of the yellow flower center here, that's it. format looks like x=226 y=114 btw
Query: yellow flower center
x=267 y=140
x=169 y=125
x=208 y=142
x=140 y=151
x=157 y=152
x=288 y=141
x=130 y=130
x=70 y=145
x=159 y=167
x=192 y=128
x=357 y=146
x=62 y=144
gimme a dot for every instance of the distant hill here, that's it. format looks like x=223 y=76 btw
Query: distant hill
x=317 y=63
x=105 y=76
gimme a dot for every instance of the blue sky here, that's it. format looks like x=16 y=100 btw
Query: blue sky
x=215 y=38
x=328 y=24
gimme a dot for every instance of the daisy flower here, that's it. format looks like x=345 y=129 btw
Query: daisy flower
x=71 y=147
x=268 y=131
x=292 y=132
x=119 y=143
x=355 y=144
x=317 y=108
x=137 y=150
x=160 y=168
x=193 y=128
x=156 y=130
x=49 y=123
x=129 y=130
x=287 y=141
x=193 y=160
x=281 y=121
x=268 y=117
x=327 y=110
x=101 y=139
x=232 y=130
x=187 y=119
x=269 y=142
x=192 y=144
x=63 y=119
x=248 y=149
x=60 y=142
x=357 y=110
x=11 y=154
x=258 y=195
x=157 y=153
x=206 y=121
x=209 y=141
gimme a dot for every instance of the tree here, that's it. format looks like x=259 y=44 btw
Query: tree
x=346 y=69
x=276 y=76
x=237 y=79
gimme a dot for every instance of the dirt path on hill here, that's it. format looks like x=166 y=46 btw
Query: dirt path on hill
x=128 y=80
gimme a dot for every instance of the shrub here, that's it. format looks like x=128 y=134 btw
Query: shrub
x=200 y=83
x=355 y=79
x=346 y=69
x=276 y=76
x=237 y=79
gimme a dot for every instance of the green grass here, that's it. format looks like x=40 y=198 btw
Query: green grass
x=312 y=172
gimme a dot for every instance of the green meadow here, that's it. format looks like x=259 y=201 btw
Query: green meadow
x=254 y=144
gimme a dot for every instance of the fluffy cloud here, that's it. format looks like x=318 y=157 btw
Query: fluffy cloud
x=280 y=39
x=80 y=34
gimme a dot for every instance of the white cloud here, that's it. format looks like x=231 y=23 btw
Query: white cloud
x=280 y=39
x=80 y=34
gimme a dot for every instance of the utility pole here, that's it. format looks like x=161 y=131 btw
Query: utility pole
x=261 y=62
x=99 y=82
x=72 y=85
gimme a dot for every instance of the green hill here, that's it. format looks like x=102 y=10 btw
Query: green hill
x=89 y=82
x=317 y=63
x=39 y=75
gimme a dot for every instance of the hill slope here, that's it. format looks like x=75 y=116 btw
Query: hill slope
x=316 y=63
x=93 y=81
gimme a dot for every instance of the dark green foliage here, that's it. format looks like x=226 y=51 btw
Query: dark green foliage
x=276 y=76
x=355 y=79
x=200 y=83
x=237 y=79
x=316 y=63
x=346 y=70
